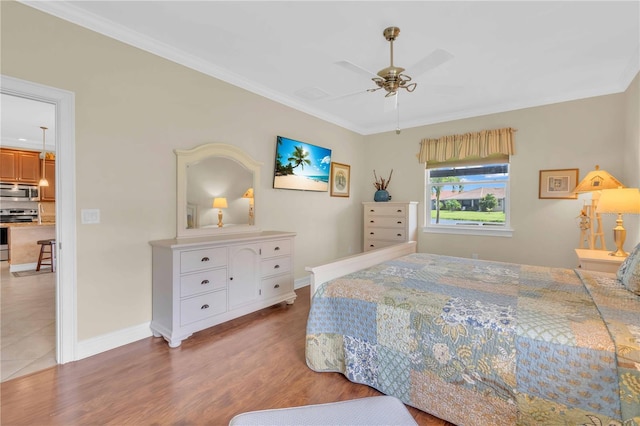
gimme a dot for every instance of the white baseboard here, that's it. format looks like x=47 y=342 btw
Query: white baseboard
x=301 y=282
x=105 y=342
x=23 y=267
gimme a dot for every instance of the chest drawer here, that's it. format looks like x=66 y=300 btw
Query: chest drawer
x=276 y=248
x=386 y=221
x=197 y=260
x=278 y=265
x=384 y=234
x=202 y=282
x=277 y=285
x=386 y=210
x=201 y=307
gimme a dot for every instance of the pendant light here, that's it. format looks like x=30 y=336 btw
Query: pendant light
x=43 y=179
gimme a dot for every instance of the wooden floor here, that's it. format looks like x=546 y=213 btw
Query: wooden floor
x=255 y=362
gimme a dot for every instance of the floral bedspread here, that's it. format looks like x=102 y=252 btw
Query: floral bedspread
x=484 y=343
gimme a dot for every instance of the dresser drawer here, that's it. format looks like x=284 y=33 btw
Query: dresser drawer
x=197 y=260
x=386 y=221
x=275 y=286
x=376 y=244
x=386 y=210
x=276 y=248
x=278 y=265
x=203 y=282
x=385 y=234
x=201 y=307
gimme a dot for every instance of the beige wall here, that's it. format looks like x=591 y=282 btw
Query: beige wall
x=133 y=109
x=578 y=134
x=631 y=156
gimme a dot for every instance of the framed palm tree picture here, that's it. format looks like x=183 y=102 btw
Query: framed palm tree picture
x=301 y=166
x=340 y=180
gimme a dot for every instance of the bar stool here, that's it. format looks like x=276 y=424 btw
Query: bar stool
x=51 y=252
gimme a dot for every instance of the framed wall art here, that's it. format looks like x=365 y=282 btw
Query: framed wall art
x=301 y=165
x=558 y=183
x=340 y=179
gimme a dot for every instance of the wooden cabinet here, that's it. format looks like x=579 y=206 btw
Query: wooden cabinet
x=201 y=282
x=18 y=166
x=388 y=223
x=48 y=193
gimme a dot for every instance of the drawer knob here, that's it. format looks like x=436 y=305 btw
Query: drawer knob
x=276 y=286
x=204 y=259
x=399 y=235
x=399 y=222
x=230 y=278
x=276 y=266
x=372 y=221
x=276 y=249
x=205 y=306
x=371 y=245
x=372 y=233
x=204 y=282
x=372 y=210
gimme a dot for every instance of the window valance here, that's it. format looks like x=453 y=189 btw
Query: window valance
x=492 y=146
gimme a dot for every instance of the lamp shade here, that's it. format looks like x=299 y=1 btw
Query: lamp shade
x=596 y=180
x=220 y=203
x=621 y=200
x=248 y=193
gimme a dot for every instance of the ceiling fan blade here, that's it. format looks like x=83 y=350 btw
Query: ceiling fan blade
x=429 y=62
x=356 y=68
x=347 y=95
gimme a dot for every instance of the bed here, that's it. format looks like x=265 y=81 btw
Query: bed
x=480 y=342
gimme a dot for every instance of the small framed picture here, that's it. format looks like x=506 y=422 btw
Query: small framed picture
x=340 y=179
x=558 y=183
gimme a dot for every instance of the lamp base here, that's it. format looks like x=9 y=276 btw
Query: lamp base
x=619 y=235
x=220 y=224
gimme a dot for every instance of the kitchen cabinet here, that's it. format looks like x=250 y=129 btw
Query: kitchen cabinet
x=17 y=166
x=48 y=193
x=201 y=282
x=388 y=223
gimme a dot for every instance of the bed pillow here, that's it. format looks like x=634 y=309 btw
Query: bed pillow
x=629 y=271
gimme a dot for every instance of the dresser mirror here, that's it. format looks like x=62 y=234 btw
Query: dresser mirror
x=213 y=179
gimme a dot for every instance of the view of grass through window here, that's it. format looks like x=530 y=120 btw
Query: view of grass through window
x=469 y=195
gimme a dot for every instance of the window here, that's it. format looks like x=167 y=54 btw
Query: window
x=469 y=199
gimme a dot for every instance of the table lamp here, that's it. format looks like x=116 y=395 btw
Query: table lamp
x=249 y=194
x=619 y=201
x=595 y=181
x=220 y=203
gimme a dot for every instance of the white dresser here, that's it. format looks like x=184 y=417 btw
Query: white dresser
x=388 y=223
x=201 y=282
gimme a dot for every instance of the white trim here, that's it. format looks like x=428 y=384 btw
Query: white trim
x=23 y=267
x=66 y=275
x=106 y=342
x=487 y=231
x=301 y=282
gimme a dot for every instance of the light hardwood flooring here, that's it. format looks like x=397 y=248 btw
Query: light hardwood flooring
x=252 y=363
x=28 y=317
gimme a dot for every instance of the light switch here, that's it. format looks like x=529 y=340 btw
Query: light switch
x=90 y=216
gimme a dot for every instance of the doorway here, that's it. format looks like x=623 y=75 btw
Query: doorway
x=65 y=287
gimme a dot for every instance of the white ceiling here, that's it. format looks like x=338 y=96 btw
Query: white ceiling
x=505 y=55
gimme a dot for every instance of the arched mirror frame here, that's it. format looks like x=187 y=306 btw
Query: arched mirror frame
x=185 y=157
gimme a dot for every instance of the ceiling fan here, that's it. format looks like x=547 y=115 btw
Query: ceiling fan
x=392 y=78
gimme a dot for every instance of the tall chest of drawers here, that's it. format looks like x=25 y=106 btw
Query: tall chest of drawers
x=201 y=282
x=388 y=223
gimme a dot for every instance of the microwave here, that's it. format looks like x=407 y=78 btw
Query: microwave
x=19 y=192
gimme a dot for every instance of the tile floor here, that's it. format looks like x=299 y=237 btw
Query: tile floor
x=28 y=323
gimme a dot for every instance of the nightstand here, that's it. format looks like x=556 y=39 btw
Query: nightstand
x=599 y=260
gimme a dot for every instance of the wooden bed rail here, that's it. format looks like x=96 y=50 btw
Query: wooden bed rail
x=346 y=265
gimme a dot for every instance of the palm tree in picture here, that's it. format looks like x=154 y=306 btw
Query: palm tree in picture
x=299 y=157
x=437 y=189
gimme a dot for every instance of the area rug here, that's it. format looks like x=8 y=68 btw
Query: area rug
x=31 y=273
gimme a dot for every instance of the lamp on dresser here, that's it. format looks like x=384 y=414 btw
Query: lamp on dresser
x=619 y=201
x=595 y=181
x=220 y=203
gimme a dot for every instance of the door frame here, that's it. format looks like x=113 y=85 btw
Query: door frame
x=66 y=273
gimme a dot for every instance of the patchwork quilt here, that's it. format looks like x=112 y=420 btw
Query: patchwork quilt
x=484 y=343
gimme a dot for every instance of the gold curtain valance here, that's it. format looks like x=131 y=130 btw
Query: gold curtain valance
x=494 y=143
